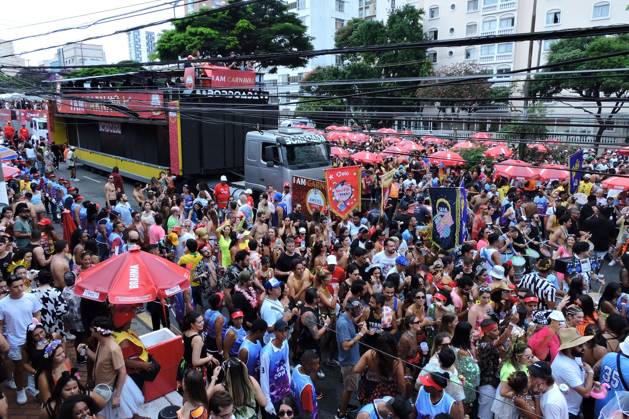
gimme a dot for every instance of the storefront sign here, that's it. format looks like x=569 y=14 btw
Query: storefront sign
x=110 y=127
x=343 y=189
x=233 y=94
x=145 y=105
x=310 y=194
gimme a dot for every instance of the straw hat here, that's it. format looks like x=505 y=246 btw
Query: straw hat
x=570 y=338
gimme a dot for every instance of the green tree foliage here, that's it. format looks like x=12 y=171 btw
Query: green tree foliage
x=259 y=28
x=126 y=66
x=520 y=131
x=590 y=87
x=403 y=25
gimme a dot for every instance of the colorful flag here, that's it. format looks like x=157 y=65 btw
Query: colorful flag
x=446 y=220
x=310 y=193
x=575 y=164
x=343 y=189
x=464 y=212
x=385 y=181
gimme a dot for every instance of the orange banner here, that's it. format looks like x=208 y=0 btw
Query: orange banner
x=343 y=188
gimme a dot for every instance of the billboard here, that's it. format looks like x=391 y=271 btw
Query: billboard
x=147 y=105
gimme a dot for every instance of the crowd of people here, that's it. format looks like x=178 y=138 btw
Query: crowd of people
x=517 y=322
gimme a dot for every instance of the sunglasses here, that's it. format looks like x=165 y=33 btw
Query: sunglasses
x=420 y=296
x=288 y=413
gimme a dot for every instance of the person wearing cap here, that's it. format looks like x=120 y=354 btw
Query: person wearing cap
x=275 y=374
x=222 y=193
x=568 y=368
x=235 y=335
x=585 y=186
x=401 y=263
x=432 y=399
x=550 y=402
x=287 y=199
x=174 y=219
x=538 y=283
x=272 y=308
x=347 y=339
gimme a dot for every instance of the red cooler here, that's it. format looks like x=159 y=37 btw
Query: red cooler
x=167 y=349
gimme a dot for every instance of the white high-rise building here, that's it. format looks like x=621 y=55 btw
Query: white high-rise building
x=141 y=45
x=81 y=54
x=6 y=48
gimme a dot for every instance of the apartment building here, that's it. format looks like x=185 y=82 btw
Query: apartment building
x=141 y=45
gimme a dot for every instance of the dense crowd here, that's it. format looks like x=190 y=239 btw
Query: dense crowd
x=517 y=322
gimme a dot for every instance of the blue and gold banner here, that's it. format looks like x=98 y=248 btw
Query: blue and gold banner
x=446 y=220
x=575 y=164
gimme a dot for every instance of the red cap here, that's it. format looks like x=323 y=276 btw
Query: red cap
x=441 y=297
x=238 y=314
x=429 y=382
x=286 y=184
x=44 y=222
x=176 y=228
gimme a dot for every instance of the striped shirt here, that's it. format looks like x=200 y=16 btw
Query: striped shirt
x=542 y=289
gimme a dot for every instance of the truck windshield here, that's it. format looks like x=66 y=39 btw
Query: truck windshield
x=307 y=155
x=42 y=125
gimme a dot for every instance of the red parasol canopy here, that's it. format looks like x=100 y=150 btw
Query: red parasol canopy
x=497 y=151
x=133 y=277
x=616 y=182
x=481 y=136
x=334 y=136
x=367 y=157
x=433 y=140
x=406 y=132
x=409 y=146
x=624 y=151
x=464 y=145
x=553 y=172
x=391 y=140
x=447 y=158
x=9 y=171
x=540 y=148
x=386 y=131
x=515 y=168
x=394 y=151
x=339 y=152
x=344 y=128
x=553 y=141
x=357 y=137
x=331 y=128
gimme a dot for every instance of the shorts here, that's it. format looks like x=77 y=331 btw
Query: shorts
x=15 y=353
x=350 y=378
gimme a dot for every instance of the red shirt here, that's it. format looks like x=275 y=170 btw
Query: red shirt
x=221 y=191
x=9 y=132
x=24 y=134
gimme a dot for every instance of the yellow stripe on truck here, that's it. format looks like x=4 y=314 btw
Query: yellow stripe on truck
x=128 y=168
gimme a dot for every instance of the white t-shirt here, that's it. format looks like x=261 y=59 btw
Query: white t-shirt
x=271 y=311
x=17 y=314
x=570 y=372
x=385 y=262
x=553 y=404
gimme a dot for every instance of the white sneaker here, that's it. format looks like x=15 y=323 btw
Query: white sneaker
x=11 y=384
x=612 y=263
x=75 y=179
x=21 y=396
x=32 y=391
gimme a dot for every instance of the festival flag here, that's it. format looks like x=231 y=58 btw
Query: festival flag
x=343 y=189
x=386 y=180
x=310 y=193
x=446 y=220
x=464 y=212
x=575 y=164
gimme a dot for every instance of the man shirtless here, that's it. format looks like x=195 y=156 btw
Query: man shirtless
x=260 y=227
x=110 y=192
x=59 y=264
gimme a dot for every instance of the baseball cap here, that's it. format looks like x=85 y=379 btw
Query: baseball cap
x=174 y=239
x=280 y=326
x=286 y=185
x=401 y=260
x=429 y=380
x=331 y=260
x=272 y=283
x=238 y=314
x=302 y=230
x=223 y=178
x=557 y=316
x=248 y=191
x=540 y=369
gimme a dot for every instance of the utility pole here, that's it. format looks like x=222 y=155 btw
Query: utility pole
x=527 y=82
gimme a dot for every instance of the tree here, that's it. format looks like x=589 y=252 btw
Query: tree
x=468 y=95
x=260 y=28
x=592 y=88
x=403 y=25
x=126 y=66
x=520 y=131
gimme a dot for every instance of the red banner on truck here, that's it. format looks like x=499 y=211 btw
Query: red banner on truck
x=343 y=187
x=224 y=78
x=146 y=105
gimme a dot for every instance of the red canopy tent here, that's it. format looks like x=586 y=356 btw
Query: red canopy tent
x=334 y=136
x=357 y=137
x=553 y=172
x=447 y=158
x=339 y=152
x=394 y=151
x=331 y=128
x=498 y=151
x=464 y=145
x=133 y=277
x=515 y=168
x=344 y=128
x=616 y=182
x=367 y=157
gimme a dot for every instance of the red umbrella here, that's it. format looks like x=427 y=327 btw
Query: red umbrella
x=433 y=140
x=367 y=157
x=334 y=136
x=391 y=140
x=554 y=172
x=386 y=131
x=490 y=143
x=409 y=146
x=393 y=151
x=498 y=151
x=344 y=128
x=515 y=168
x=9 y=171
x=553 y=141
x=447 y=158
x=464 y=145
x=339 y=152
x=406 y=132
x=331 y=128
x=624 y=151
x=357 y=137
x=616 y=182
x=481 y=136
x=133 y=277
x=540 y=148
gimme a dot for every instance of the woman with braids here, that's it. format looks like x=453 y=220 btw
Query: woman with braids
x=382 y=372
x=519 y=357
x=67 y=386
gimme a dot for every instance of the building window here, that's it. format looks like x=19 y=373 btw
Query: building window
x=601 y=10
x=340 y=6
x=505 y=48
x=450 y=53
x=471 y=29
x=489 y=25
x=487 y=50
x=433 y=12
x=502 y=72
x=489 y=3
x=301 y=4
x=338 y=24
x=432 y=56
x=507 y=22
x=553 y=17
x=472 y=6
x=433 y=34
x=338 y=60
x=546 y=45
x=470 y=53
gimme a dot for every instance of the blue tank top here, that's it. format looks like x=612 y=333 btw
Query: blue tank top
x=425 y=408
x=187 y=201
x=608 y=373
x=253 y=357
x=240 y=336
x=210 y=318
x=277 y=370
x=371 y=407
x=297 y=386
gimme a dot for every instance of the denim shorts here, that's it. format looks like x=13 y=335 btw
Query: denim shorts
x=15 y=353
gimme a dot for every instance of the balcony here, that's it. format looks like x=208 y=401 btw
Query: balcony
x=486 y=59
x=502 y=6
x=506 y=31
x=504 y=57
x=487 y=33
x=508 y=5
